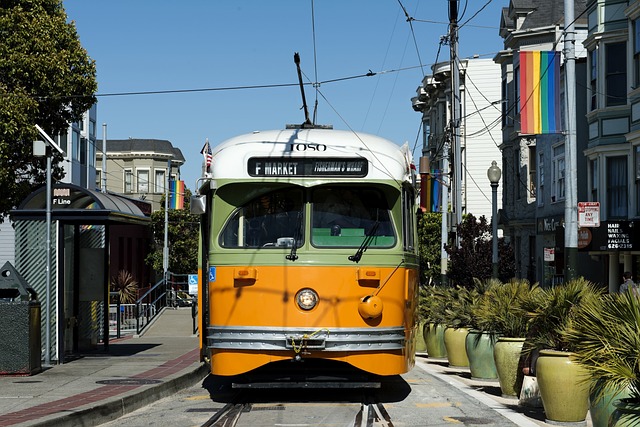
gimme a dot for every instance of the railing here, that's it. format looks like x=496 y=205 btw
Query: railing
x=134 y=318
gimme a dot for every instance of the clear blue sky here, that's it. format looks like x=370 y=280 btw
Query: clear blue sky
x=166 y=45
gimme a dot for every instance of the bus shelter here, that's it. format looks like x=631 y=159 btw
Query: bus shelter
x=93 y=235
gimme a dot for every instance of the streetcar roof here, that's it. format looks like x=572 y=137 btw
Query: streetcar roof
x=386 y=160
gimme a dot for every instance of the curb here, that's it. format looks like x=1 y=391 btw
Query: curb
x=112 y=410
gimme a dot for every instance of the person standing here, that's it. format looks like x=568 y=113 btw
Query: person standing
x=628 y=283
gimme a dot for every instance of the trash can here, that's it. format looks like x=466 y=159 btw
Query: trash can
x=20 y=351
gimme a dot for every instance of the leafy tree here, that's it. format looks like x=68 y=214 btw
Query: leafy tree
x=183 y=230
x=473 y=259
x=429 y=244
x=46 y=78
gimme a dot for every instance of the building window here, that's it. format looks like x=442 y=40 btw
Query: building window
x=516 y=89
x=558 y=174
x=616 y=73
x=128 y=181
x=159 y=181
x=505 y=102
x=539 y=193
x=594 y=180
x=98 y=179
x=143 y=181
x=75 y=145
x=636 y=52
x=516 y=176
x=593 y=65
x=532 y=172
x=617 y=187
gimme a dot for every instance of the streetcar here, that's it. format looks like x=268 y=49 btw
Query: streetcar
x=308 y=251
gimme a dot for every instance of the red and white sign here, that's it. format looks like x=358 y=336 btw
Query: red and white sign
x=588 y=214
x=549 y=254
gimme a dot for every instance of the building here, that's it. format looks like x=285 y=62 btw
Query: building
x=534 y=172
x=613 y=151
x=137 y=168
x=479 y=131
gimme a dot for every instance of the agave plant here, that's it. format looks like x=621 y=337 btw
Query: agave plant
x=126 y=286
x=501 y=308
x=552 y=312
x=606 y=336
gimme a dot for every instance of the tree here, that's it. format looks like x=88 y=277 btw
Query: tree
x=183 y=230
x=474 y=256
x=429 y=244
x=46 y=78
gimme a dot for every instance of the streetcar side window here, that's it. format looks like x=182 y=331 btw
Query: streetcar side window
x=273 y=220
x=408 y=219
x=344 y=216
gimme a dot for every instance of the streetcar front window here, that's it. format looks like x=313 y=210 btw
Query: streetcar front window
x=273 y=220
x=345 y=216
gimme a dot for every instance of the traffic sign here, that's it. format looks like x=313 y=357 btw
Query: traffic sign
x=589 y=214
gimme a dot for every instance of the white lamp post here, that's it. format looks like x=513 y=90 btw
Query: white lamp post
x=494 y=173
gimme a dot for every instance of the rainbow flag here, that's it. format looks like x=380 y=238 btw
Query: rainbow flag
x=539 y=92
x=176 y=194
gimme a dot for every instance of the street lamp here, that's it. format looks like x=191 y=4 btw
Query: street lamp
x=494 y=173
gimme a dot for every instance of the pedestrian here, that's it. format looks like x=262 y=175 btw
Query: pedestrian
x=628 y=283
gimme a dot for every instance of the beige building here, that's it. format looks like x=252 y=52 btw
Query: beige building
x=138 y=168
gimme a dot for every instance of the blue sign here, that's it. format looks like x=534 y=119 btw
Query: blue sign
x=212 y=274
x=193 y=279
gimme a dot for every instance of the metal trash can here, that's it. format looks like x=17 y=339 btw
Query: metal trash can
x=20 y=338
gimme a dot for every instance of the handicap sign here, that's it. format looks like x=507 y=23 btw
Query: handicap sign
x=193 y=284
x=212 y=274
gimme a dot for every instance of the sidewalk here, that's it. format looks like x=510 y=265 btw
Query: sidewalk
x=99 y=387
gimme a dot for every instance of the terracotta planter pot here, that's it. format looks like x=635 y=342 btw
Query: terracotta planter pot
x=434 y=338
x=563 y=387
x=507 y=354
x=479 y=346
x=454 y=341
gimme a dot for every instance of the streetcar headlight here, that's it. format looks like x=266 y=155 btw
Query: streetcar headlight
x=306 y=299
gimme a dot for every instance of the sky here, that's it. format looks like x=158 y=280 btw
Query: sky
x=226 y=67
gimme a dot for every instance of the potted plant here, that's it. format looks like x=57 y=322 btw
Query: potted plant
x=458 y=318
x=562 y=382
x=501 y=311
x=479 y=342
x=606 y=338
x=432 y=311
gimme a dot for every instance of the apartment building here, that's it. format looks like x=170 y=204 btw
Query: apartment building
x=138 y=168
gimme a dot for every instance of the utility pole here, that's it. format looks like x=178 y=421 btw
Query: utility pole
x=104 y=158
x=455 y=115
x=571 y=192
x=165 y=249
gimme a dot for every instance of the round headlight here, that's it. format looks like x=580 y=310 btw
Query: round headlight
x=306 y=299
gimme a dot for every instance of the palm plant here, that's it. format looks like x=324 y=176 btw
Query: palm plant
x=433 y=304
x=458 y=307
x=501 y=308
x=606 y=336
x=127 y=288
x=552 y=312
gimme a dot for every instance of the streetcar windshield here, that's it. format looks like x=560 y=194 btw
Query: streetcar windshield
x=273 y=220
x=345 y=216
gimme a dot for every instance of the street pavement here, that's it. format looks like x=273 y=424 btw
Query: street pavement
x=100 y=386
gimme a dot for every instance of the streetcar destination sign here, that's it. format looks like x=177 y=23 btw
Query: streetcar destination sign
x=308 y=166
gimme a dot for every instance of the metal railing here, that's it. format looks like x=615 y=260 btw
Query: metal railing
x=134 y=318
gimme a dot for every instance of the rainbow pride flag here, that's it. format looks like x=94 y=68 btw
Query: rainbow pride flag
x=176 y=194
x=539 y=92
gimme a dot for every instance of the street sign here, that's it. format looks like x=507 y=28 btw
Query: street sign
x=193 y=284
x=589 y=214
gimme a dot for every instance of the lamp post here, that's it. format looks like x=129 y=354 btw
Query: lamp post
x=494 y=173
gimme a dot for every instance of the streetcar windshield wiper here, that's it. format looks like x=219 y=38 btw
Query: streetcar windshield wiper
x=365 y=243
x=296 y=236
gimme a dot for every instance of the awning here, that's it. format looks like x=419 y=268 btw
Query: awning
x=73 y=204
